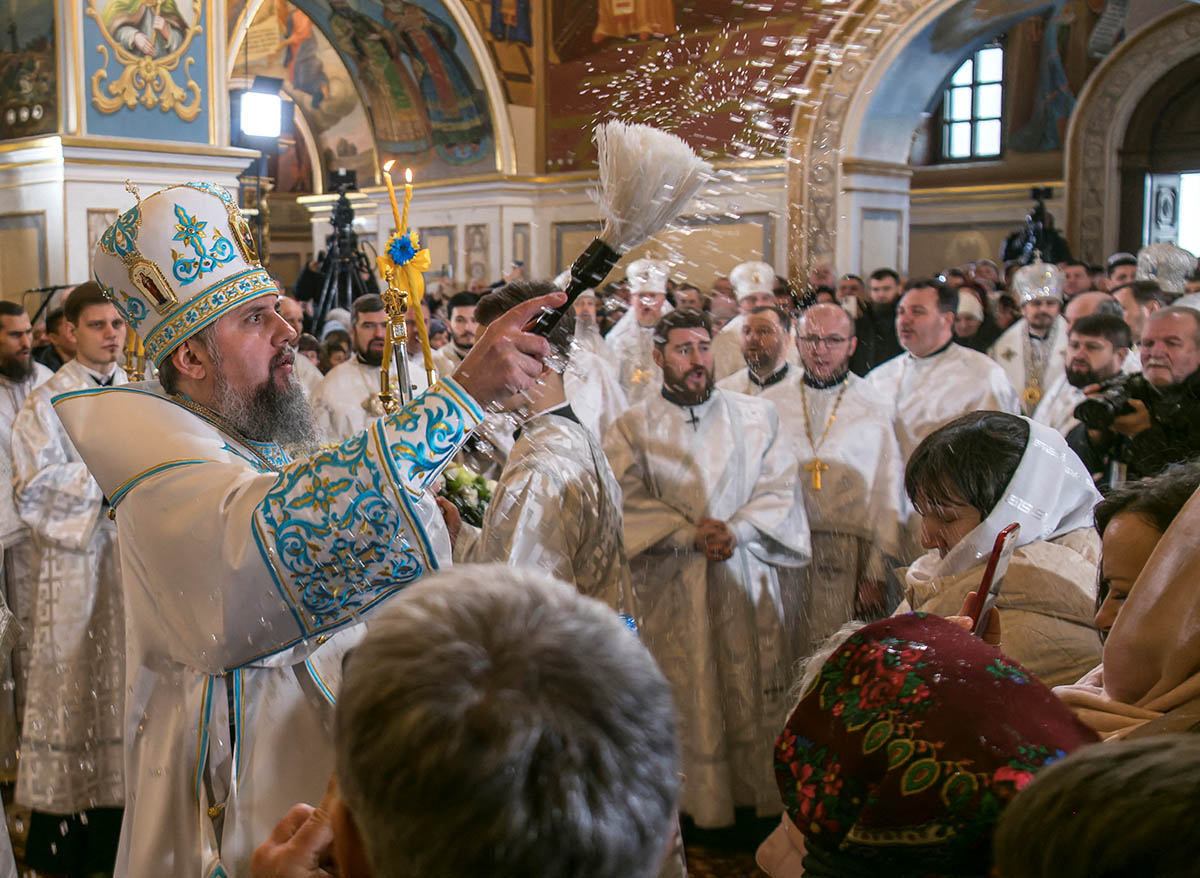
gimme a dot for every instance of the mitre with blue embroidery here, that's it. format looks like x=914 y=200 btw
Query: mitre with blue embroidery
x=177 y=261
x=1038 y=280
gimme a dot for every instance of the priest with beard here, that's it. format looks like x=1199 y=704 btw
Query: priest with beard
x=766 y=339
x=1097 y=347
x=712 y=518
x=19 y=375
x=347 y=399
x=1032 y=351
x=246 y=573
x=852 y=480
x=754 y=285
x=460 y=318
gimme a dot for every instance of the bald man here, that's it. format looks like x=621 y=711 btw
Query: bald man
x=1087 y=304
x=851 y=475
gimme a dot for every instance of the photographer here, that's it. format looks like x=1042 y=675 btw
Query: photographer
x=1150 y=420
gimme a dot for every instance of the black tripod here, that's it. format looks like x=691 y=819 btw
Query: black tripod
x=346 y=271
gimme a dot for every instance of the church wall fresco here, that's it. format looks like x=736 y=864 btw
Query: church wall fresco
x=507 y=29
x=283 y=42
x=723 y=74
x=28 y=70
x=421 y=86
x=146 y=68
x=375 y=81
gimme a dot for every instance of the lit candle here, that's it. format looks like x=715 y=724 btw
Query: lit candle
x=403 y=228
x=387 y=179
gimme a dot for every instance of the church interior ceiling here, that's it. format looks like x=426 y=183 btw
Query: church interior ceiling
x=374 y=81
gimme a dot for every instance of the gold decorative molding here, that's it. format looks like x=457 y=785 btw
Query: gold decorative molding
x=983 y=190
x=145 y=77
x=877 y=168
x=1101 y=116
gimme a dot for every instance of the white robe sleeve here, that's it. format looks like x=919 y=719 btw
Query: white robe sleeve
x=648 y=520
x=55 y=494
x=772 y=523
x=266 y=562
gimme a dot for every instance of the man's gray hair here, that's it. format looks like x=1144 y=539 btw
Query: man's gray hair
x=494 y=722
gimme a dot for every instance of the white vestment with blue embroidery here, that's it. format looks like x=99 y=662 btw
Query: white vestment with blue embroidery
x=243 y=589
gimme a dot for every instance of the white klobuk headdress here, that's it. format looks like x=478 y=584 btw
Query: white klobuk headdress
x=176 y=262
x=751 y=278
x=648 y=276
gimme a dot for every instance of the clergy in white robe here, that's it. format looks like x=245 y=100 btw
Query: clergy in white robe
x=1097 y=347
x=247 y=575
x=19 y=374
x=934 y=380
x=460 y=319
x=557 y=506
x=851 y=476
x=587 y=325
x=594 y=392
x=1032 y=351
x=711 y=516
x=347 y=399
x=766 y=339
x=632 y=339
x=754 y=285
x=71 y=743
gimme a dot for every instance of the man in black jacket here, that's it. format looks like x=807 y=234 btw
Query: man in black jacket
x=875 y=327
x=1164 y=428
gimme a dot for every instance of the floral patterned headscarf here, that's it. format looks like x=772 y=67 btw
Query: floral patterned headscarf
x=908 y=744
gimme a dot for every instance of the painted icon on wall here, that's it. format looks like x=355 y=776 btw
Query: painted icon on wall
x=28 y=70
x=148 y=40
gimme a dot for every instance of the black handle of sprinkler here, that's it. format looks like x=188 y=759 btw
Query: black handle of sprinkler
x=588 y=272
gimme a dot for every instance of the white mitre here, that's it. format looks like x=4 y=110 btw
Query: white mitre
x=648 y=276
x=752 y=278
x=1037 y=280
x=1166 y=264
x=176 y=262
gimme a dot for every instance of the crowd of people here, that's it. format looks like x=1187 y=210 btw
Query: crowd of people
x=721 y=576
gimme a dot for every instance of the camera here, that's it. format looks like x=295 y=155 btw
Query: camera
x=1098 y=412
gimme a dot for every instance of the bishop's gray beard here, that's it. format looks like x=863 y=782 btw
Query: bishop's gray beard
x=267 y=413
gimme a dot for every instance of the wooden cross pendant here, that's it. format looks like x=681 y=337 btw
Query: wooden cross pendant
x=816 y=467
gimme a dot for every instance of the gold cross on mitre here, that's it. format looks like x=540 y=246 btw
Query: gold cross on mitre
x=816 y=468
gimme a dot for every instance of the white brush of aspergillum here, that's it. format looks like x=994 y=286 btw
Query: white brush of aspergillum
x=647 y=178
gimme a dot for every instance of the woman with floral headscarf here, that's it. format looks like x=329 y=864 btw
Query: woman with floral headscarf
x=904 y=749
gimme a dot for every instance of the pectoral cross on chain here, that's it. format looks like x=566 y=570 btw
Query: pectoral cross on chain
x=816 y=468
x=692 y=419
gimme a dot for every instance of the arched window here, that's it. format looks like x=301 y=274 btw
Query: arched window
x=972 y=107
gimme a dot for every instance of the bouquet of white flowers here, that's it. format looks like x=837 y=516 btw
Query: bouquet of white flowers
x=468 y=491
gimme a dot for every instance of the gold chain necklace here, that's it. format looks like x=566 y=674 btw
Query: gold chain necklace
x=816 y=466
x=224 y=426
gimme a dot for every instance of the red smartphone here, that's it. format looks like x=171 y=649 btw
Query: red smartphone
x=993 y=577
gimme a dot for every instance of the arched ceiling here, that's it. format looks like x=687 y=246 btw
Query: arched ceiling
x=377 y=80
